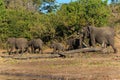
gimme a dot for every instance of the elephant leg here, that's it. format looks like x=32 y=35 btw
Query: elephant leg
x=11 y=49
x=26 y=50
x=22 y=51
x=32 y=50
x=90 y=44
x=92 y=40
x=111 y=42
x=29 y=50
x=40 y=50
x=80 y=43
x=17 y=51
x=115 y=50
x=8 y=51
x=104 y=45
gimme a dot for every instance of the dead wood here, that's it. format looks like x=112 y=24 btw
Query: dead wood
x=64 y=54
x=61 y=54
x=83 y=50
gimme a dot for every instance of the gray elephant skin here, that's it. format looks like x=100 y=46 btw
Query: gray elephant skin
x=36 y=44
x=57 y=47
x=20 y=44
x=102 y=35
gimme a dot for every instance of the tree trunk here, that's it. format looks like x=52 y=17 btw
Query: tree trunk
x=63 y=54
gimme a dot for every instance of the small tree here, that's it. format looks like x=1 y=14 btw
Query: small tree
x=82 y=12
x=3 y=25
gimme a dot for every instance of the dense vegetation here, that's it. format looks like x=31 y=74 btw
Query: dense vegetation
x=32 y=18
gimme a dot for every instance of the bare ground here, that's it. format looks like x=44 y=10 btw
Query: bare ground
x=82 y=66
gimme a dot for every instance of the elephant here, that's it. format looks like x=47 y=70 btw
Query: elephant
x=57 y=47
x=102 y=35
x=17 y=43
x=75 y=43
x=36 y=44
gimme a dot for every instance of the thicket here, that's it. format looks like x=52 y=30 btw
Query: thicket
x=23 y=18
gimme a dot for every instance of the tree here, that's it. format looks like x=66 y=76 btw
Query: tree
x=3 y=24
x=31 y=5
x=2 y=9
x=75 y=15
x=82 y=12
x=21 y=18
x=115 y=16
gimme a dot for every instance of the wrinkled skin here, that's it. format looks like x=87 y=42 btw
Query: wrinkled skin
x=57 y=47
x=36 y=44
x=20 y=44
x=103 y=36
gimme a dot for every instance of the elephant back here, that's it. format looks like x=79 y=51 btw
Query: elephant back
x=21 y=42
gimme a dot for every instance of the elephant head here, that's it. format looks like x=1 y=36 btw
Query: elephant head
x=87 y=33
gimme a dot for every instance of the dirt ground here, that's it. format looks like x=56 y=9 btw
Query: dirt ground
x=82 y=66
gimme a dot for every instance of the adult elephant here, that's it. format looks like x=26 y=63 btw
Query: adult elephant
x=20 y=44
x=36 y=44
x=103 y=36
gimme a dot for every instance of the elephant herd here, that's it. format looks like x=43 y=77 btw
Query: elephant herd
x=104 y=36
x=22 y=45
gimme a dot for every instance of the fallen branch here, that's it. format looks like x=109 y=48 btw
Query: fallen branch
x=64 y=54
x=83 y=50
x=61 y=54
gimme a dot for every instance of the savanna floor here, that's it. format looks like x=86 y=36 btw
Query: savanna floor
x=82 y=66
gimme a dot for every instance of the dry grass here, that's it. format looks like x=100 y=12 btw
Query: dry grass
x=83 y=66
x=92 y=66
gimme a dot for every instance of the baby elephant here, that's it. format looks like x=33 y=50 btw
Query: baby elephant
x=36 y=44
x=57 y=47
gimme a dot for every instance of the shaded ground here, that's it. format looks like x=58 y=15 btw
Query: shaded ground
x=82 y=66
